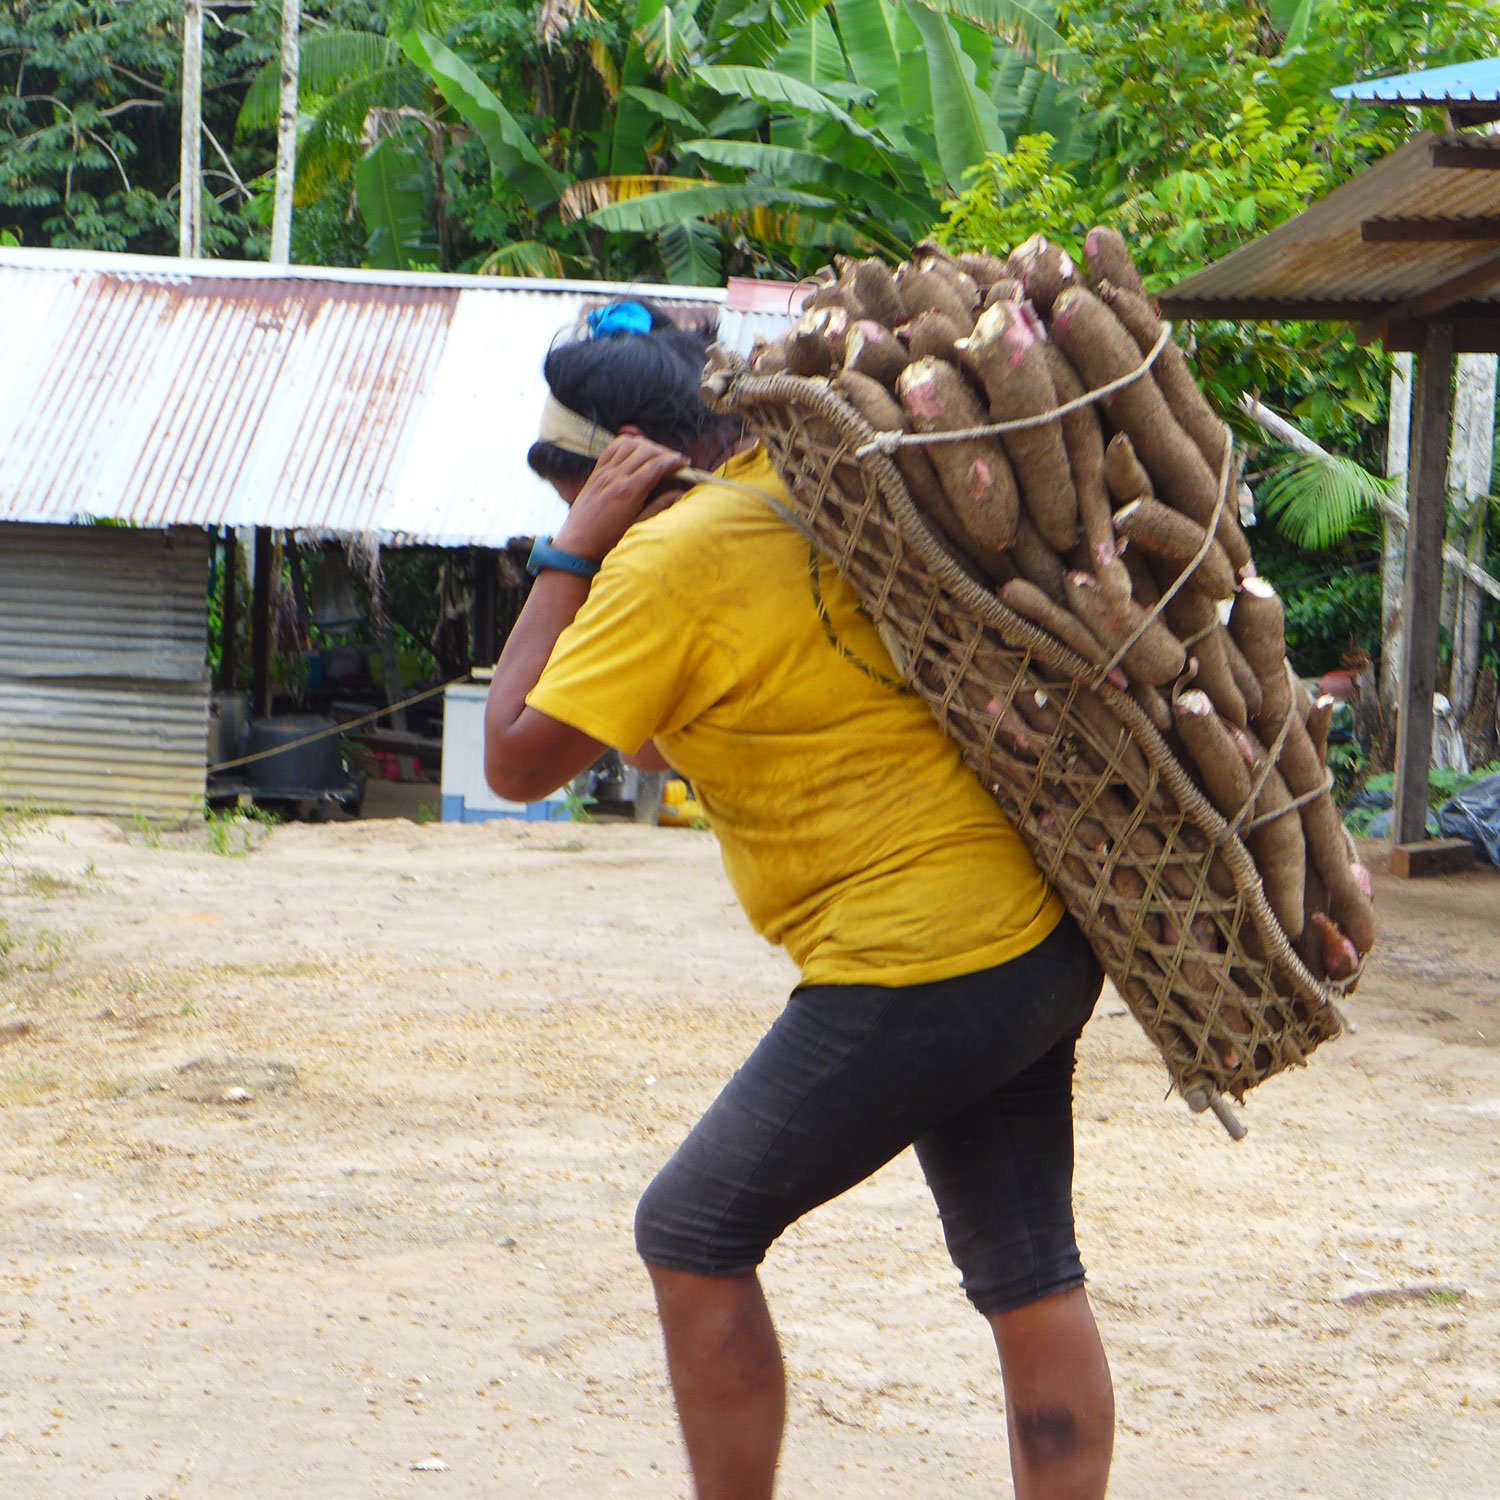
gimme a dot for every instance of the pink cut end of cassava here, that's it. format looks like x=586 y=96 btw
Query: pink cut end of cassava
x=1118 y=678
x=1105 y=553
x=1194 y=702
x=1034 y=323
x=1340 y=956
x=1018 y=337
x=981 y=477
x=921 y=397
x=1064 y=310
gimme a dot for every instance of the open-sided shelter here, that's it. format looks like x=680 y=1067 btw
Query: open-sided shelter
x=1408 y=251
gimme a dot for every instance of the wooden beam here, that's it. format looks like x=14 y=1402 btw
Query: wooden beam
x=485 y=648
x=1476 y=330
x=230 y=623
x=1422 y=590
x=260 y=627
x=1270 y=309
x=1483 y=276
x=1467 y=158
x=1422 y=231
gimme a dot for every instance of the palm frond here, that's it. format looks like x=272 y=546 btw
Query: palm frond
x=591 y=193
x=690 y=253
x=524 y=258
x=327 y=61
x=605 y=66
x=1316 y=499
x=335 y=140
x=554 y=19
x=699 y=200
x=1027 y=26
x=671 y=40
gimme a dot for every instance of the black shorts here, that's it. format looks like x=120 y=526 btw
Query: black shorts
x=976 y=1072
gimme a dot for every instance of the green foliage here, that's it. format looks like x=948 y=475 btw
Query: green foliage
x=1443 y=782
x=1316 y=500
x=393 y=188
x=1327 y=614
x=1211 y=128
x=231 y=832
x=89 y=112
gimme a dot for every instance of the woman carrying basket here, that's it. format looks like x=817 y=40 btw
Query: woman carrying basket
x=942 y=987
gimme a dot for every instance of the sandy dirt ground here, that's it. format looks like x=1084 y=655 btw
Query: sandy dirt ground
x=318 y=1160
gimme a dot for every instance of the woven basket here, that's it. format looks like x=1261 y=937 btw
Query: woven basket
x=1171 y=866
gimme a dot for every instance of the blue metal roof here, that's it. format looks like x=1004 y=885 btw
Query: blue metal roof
x=1475 y=82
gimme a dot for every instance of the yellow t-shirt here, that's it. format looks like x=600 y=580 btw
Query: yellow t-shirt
x=851 y=831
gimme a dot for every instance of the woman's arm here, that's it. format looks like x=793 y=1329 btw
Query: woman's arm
x=526 y=753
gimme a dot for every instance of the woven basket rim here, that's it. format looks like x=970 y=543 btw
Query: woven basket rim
x=728 y=390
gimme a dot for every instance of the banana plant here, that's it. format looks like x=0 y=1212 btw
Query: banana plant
x=867 y=116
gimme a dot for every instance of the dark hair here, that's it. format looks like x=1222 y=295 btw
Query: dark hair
x=649 y=380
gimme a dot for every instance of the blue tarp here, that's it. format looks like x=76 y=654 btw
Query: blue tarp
x=1474 y=814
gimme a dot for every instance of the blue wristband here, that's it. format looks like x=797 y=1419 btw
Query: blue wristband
x=545 y=555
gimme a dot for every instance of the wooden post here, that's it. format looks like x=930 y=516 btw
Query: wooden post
x=1421 y=595
x=260 y=627
x=484 y=650
x=190 y=173
x=230 y=625
x=286 y=135
x=648 y=796
x=1393 y=551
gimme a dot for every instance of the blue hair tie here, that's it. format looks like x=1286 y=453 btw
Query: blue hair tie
x=619 y=318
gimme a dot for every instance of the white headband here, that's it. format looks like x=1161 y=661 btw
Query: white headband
x=566 y=429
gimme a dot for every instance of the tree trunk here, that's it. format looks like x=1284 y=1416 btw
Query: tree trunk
x=286 y=135
x=190 y=176
x=1393 y=553
x=1479 y=727
x=1469 y=459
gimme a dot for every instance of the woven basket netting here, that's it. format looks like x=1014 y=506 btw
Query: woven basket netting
x=1170 y=867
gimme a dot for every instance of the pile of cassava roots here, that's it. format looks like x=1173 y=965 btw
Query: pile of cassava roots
x=1112 y=527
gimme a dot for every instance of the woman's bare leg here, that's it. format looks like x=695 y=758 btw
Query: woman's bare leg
x=1059 y=1402
x=727 y=1377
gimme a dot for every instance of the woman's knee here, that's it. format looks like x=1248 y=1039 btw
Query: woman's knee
x=656 y=1221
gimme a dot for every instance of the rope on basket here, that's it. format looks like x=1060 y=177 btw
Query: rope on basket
x=889 y=442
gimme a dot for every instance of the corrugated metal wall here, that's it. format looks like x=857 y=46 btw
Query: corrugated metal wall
x=103 y=687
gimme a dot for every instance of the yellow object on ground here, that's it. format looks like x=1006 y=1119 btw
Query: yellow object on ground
x=851 y=831
x=679 y=809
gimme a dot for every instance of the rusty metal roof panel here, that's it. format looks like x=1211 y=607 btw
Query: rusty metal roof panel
x=1321 y=263
x=167 y=392
x=173 y=399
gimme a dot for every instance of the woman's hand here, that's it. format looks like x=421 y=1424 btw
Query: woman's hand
x=617 y=494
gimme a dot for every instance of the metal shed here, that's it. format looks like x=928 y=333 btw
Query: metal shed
x=208 y=393
x=103 y=687
x=171 y=396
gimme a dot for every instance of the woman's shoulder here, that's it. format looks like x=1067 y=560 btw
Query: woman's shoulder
x=735 y=512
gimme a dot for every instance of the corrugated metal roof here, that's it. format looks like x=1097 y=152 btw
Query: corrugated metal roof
x=1343 y=258
x=1458 y=83
x=103 y=688
x=206 y=393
